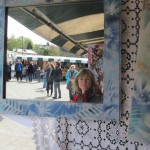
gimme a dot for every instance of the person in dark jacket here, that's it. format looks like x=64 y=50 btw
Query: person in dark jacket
x=30 y=71
x=57 y=79
x=9 y=75
x=38 y=74
x=7 y=72
x=49 y=78
x=18 y=69
x=35 y=67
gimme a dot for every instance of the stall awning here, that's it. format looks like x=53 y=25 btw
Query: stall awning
x=70 y=25
x=52 y=58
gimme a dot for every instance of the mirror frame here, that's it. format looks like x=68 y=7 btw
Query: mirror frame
x=109 y=110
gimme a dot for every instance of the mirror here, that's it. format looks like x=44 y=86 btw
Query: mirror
x=82 y=23
x=109 y=109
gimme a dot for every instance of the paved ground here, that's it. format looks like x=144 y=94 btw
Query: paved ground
x=15 y=133
x=15 y=136
x=32 y=90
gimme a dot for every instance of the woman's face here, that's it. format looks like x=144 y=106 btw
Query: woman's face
x=84 y=83
x=72 y=68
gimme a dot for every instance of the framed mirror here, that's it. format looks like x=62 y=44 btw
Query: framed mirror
x=109 y=109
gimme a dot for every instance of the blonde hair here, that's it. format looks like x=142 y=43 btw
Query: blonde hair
x=82 y=73
x=72 y=66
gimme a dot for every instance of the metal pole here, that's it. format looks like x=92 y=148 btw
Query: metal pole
x=22 y=44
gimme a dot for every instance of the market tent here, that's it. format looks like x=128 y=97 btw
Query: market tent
x=52 y=58
x=70 y=25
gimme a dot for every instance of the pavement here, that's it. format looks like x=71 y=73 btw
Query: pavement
x=16 y=131
x=15 y=135
x=33 y=90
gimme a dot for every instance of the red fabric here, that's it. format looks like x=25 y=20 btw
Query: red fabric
x=76 y=98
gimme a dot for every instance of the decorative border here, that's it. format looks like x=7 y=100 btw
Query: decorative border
x=109 y=110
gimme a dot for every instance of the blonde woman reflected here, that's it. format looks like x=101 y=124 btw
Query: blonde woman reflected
x=86 y=88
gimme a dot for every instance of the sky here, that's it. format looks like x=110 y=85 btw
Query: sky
x=13 y=27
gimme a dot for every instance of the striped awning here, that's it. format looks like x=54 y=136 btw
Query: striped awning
x=70 y=25
x=52 y=58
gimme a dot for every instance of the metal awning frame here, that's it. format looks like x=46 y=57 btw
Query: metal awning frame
x=73 y=43
x=53 y=26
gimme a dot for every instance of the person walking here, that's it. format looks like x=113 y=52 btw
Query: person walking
x=38 y=74
x=30 y=71
x=7 y=71
x=44 y=76
x=18 y=69
x=57 y=79
x=10 y=65
x=44 y=81
x=35 y=67
x=70 y=75
x=49 y=79
x=27 y=74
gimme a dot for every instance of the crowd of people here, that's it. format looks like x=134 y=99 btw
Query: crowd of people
x=81 y=84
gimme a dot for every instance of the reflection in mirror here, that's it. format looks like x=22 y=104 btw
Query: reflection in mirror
x=95 y=63
x=79 y=30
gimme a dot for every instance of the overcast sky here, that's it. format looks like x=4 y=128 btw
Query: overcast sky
x=16 y=29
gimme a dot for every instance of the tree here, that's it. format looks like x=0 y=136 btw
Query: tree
x=47 y=53
x=29 y=46
x=26 y=43
x=11 y=43
x=20 y=42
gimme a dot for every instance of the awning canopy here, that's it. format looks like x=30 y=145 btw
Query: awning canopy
x=70 y=25
x=52 y=58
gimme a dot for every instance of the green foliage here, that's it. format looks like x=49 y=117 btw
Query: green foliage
x=12 y=43
x=47 y=49
x=29 y=46
x=20 y=42
x=47 y=52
